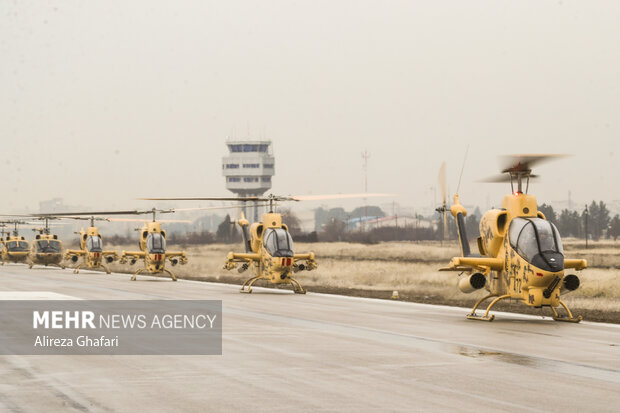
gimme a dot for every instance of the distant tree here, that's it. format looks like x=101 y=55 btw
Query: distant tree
x=549 y=213
x=292 y=222
x=472 y=224
x=226 y=231
x=370 y=211
x=598 y=220
x=614 y=227
x=334 y=230
x=323 y=216
x=570 y=224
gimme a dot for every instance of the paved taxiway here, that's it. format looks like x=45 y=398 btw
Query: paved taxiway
x=286 y=352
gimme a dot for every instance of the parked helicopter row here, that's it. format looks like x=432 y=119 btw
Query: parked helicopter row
x=520 y=252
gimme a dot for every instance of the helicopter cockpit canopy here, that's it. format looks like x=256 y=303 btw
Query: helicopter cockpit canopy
x=278 y=242
x=16 y=246
x=48 y=246
x=538 y=242
x=94 y=244
x=156 y=243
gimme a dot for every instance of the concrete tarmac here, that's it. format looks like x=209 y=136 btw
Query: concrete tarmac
x=303 y=353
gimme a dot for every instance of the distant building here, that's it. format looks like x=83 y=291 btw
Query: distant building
x=52 y=205
x=248 y=168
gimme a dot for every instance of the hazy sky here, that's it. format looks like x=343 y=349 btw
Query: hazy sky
x=102 y=102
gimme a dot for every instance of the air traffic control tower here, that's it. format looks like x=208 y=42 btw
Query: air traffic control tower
x=248 y=168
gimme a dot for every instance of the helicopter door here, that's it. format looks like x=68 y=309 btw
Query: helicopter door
x=538 y=242
x=278 y=242
x=156 y=243
x=94 y=244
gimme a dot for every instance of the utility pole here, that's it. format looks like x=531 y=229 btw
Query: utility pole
x=365 y=156
x=586 y=218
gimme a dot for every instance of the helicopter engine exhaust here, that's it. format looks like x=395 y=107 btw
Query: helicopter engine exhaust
x=570 y=283
x=109 y=259
x=74 y=258
x=243 y=268
x=472 y=283
x=174 y=262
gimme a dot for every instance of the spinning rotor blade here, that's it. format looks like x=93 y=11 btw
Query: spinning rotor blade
x=525 y=162
x=504 y=178
x=63 y=214
x=335 y=196
x=182 y=221
x=272 y=198
x=216 y=208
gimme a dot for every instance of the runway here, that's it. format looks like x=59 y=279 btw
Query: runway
x=284 y=352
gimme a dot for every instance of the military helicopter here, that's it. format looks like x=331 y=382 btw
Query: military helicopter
x=91 y=244
x=521 y=255
x=46 y=248
x=14 y=248
x=152 y=242
x=268 y=244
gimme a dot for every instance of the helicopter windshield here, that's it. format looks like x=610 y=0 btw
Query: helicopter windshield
x=278 y=242
x=156 y=243
x=17 y=246
x=94 y=244
x=48 y=246
x=538 y=241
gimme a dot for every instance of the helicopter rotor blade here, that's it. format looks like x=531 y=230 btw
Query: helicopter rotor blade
x=273 y=198
x=525 y=162
x=177 y=221
x=504 y=179
x=335 y=196
x=442 y=183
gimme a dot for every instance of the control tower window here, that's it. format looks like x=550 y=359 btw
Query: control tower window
x=251 y=165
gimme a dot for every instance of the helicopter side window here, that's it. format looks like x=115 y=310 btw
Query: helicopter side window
x=516 y=226
x=156 y=243
x=94 y=244
x=278 y=243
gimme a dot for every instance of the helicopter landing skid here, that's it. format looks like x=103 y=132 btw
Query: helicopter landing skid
x=249 y=283
x=568 y=317
x=486 y=316
x=297 y=288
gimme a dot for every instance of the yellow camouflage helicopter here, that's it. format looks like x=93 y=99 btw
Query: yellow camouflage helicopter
x=521 y=255
x=46 y=248
x=152 y=243
x=14 y=247
x=91 y=242
x=268 y=244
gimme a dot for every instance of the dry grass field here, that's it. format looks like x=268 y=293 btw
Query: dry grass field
x=411 y=268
